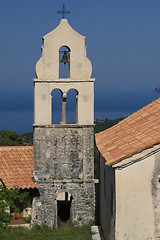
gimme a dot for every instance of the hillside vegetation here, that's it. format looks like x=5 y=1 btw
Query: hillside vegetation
x=101 y=125
x=28 y=138
x=9 y=138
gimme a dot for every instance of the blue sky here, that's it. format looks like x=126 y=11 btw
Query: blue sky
x=123 y=43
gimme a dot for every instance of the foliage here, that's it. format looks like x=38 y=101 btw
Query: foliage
x=10 y=199
x=9 y=138
x=27 y=219
x=28 y=138
x=40 y=233
x=67 y=225
x=101 y=125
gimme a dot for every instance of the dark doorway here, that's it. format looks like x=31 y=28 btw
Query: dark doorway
x=63 y=210
x=63 y=207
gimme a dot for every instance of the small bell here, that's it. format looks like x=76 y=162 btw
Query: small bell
x=65 y=58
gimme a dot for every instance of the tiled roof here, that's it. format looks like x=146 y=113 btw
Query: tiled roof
x=135 y=133
x=16 y=167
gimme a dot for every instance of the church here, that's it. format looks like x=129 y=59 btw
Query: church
x=130 y=176
x=59 y=169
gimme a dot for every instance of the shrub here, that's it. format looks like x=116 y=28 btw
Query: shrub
x=10 y=199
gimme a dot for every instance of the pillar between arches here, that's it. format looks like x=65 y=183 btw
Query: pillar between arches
x=64 y=99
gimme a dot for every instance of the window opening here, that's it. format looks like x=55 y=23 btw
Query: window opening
x=64 y=62
x=56 y=106
x=72 y=106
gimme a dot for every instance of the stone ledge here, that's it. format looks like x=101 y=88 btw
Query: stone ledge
x=27 y=225
x=64 y=80
x=67 y=181
x=63 y=125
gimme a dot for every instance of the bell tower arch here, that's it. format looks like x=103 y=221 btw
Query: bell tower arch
x=64 y=152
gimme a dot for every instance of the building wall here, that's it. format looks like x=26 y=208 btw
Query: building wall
x=107 y=200
x=63 y=152
x=82 y=205
x=64 y=162
x=156 y=195
x=134 y=201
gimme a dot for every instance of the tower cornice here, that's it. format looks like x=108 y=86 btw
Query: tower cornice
x=64 y=80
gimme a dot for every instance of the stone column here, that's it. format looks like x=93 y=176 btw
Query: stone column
x=64 y=98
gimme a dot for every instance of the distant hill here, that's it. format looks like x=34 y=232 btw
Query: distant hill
x=101 y=125
x=28 y=138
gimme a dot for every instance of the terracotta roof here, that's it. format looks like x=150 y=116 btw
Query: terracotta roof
x=16 y=167
x=135 y=133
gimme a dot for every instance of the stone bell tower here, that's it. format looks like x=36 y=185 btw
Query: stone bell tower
x=64 y=153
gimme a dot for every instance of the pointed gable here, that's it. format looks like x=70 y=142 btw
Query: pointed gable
x=63 y=35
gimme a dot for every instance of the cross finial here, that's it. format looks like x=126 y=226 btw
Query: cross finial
x=64 y=12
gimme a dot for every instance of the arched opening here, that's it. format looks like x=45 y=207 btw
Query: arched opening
x=56 y=95
x=64 y=62
x=72 y=106
x=64 y=200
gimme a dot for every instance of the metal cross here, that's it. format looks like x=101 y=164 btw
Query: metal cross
x=63 y=11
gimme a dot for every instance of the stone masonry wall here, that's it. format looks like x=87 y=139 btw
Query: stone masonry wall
x=64 y=162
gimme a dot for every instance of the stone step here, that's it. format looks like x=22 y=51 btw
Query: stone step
x=96 y=233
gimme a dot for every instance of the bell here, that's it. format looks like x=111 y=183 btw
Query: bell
x=65 y=58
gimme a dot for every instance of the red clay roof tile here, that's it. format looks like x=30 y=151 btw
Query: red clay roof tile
x=132 y=135
x=16 y=167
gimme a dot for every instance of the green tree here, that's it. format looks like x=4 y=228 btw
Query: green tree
x=28 y=138
x=10 y=199
x=9 y=138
